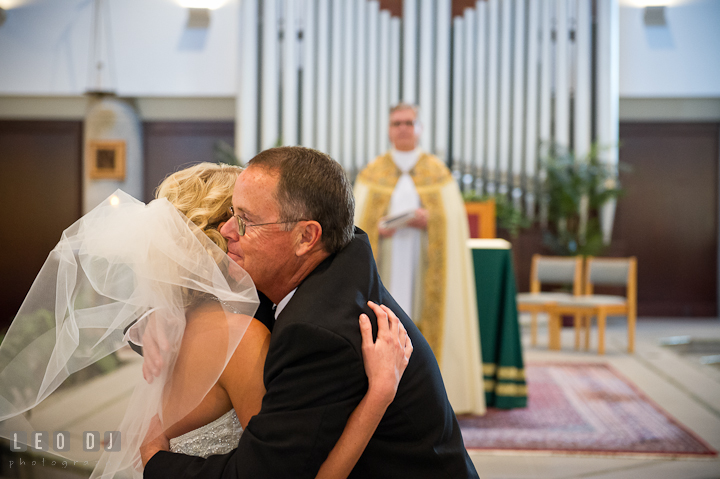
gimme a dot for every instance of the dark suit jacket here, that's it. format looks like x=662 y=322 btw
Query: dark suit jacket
x=314 y=377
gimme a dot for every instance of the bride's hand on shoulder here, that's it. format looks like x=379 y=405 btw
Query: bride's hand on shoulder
x=386 y=358
x=155 y=345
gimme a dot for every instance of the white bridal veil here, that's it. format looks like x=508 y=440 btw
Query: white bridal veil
x=123 y=262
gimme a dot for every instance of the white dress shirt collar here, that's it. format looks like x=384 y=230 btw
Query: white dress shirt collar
x=283 y=302
x=405 y=160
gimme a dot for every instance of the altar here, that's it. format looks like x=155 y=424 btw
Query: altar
x=503 y=367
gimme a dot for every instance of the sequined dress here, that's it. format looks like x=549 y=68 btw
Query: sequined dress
x=219 y=437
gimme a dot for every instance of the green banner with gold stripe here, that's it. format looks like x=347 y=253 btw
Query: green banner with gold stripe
x=503 y=367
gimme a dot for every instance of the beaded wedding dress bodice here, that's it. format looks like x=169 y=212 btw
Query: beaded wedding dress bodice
x=219 y=437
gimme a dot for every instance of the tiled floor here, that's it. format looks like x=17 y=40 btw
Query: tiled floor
x=682 y=385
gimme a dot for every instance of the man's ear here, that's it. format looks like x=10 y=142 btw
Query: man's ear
x=310 y=237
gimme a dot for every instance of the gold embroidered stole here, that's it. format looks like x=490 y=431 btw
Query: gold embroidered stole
x=429 y=175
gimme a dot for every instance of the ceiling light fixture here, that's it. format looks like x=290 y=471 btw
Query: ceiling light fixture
x=198 y=18
x=654 y=16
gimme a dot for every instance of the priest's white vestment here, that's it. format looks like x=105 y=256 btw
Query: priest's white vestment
x=436 y=265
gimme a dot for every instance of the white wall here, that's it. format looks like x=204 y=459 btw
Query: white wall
x=678 y=60
x=44 y=48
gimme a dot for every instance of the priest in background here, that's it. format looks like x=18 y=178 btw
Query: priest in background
x=412 y=210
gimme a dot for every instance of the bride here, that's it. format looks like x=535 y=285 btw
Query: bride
x=162 y=268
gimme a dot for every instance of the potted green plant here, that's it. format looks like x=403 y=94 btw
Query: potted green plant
x=224 y=153
x=575 y=191
x=507 y=215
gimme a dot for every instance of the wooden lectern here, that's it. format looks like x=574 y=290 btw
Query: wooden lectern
x=481 y=218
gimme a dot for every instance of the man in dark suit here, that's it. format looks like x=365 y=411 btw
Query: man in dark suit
x=293 y=233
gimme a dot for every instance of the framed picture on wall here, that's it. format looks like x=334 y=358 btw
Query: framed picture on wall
x=106 y=159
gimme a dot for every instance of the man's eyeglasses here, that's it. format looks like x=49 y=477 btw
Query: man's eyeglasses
x=242 y=225
x=396 y=124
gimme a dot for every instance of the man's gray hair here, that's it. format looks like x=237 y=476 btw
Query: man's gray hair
x=312 y=186
x=405 y=106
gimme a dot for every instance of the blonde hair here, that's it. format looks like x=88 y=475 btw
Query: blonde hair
x=203 y=193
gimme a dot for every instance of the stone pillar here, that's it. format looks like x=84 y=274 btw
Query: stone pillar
x=112 y=118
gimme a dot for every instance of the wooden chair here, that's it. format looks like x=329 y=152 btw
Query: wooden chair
x=553 y=270
x=603 y=272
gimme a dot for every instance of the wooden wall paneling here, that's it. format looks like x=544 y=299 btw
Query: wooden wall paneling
x=668 y=217
x=395 y=7
x=40 y=187
x=171 y=146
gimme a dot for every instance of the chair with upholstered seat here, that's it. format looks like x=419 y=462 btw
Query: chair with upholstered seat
x=549 y=270
x=604 y=272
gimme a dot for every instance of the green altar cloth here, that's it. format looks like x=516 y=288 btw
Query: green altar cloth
x=503 y=368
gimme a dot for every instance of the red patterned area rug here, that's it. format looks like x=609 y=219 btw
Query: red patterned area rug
x=586 y=408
